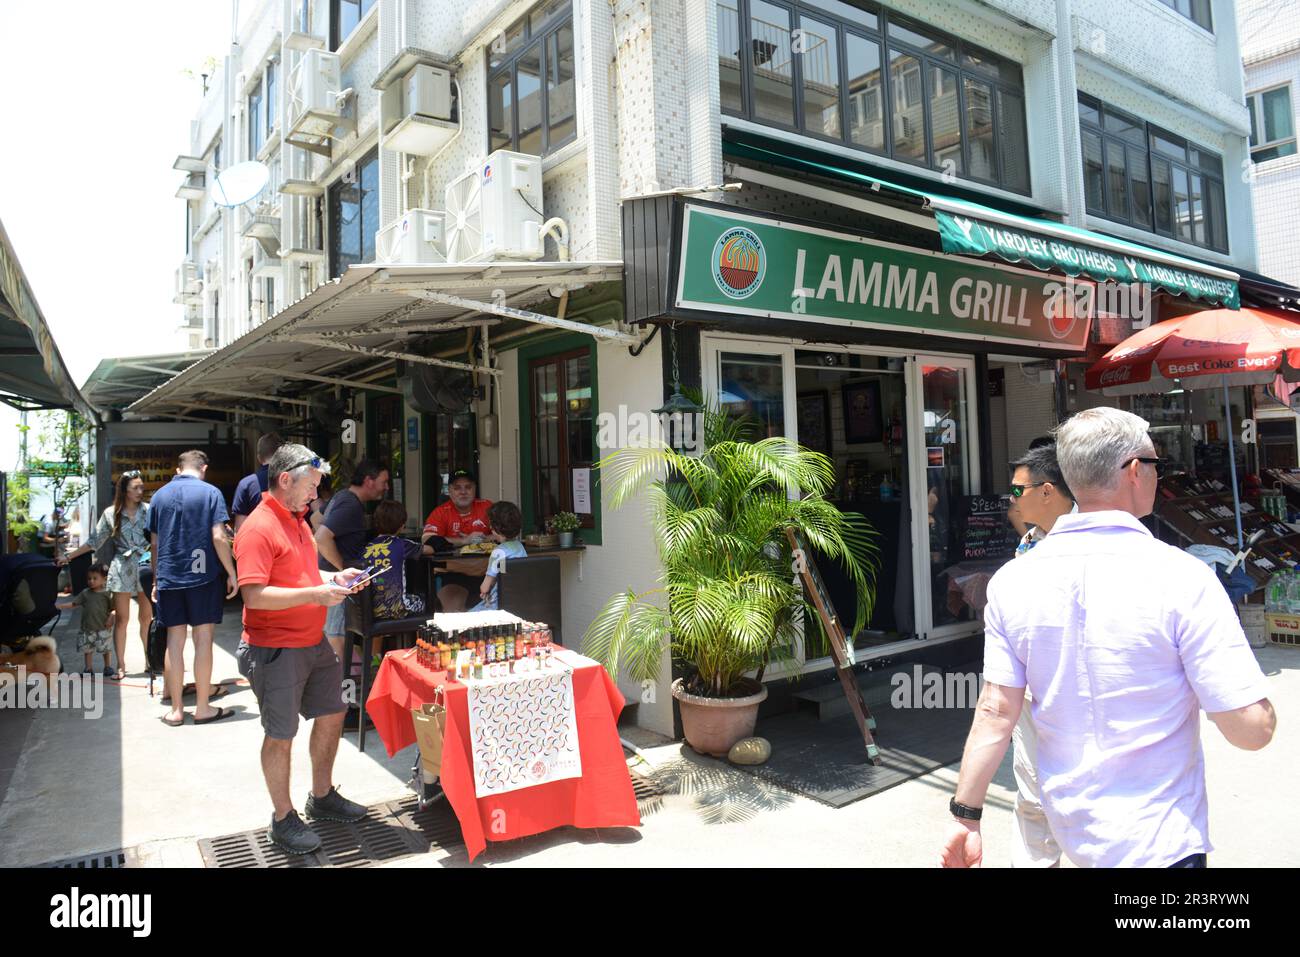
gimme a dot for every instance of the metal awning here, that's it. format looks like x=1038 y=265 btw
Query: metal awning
x=32 y=373
x=970 y=228
x=371 y=311
x=119 y=381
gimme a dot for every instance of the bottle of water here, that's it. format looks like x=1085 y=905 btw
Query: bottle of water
x=1291 y=605
x=1271 y=592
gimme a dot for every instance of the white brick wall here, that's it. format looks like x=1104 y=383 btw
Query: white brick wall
x=1275 y=186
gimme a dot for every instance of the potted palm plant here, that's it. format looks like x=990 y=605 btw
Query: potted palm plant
x=729 y=603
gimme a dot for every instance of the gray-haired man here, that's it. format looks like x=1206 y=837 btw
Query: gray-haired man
x=1122 y=641
x=290 y=666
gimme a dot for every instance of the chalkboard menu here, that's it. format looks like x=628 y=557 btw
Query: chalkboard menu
x=986 y=534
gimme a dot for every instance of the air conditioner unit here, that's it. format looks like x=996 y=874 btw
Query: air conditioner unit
x=416 y=238
x=495 y=212
x=188 y=283
x=314 y=85
x=415 y=113
x=265 y=263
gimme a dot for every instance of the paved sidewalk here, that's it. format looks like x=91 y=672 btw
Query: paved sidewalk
x=126 y=780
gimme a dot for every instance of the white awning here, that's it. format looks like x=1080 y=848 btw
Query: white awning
x=371 y=311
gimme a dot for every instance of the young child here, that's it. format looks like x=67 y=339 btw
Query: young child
x=507 y=523
x=97 y=616
x=389 y=588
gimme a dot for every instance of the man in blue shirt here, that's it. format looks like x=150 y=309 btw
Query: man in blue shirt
x=248 y=493
x=186 y=519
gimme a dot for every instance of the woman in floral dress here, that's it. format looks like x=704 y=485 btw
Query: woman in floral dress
x=126 y=523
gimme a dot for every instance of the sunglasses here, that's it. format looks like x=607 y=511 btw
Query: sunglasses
x=314 y=462
x=134 y=473
x=1158 y=463
x=1019 y=490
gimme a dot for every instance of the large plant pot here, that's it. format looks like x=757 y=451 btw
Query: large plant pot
x=713 y=725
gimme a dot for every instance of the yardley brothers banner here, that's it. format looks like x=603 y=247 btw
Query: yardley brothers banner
x=759 y=266
x=971 y=237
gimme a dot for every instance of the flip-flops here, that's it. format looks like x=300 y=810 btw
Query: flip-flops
x=173 y=724
x=221 y=713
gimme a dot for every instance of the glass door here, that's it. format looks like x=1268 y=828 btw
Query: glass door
x=945 y=457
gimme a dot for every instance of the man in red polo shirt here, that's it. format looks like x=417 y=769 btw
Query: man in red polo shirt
x=284 y=655
x=461 y=520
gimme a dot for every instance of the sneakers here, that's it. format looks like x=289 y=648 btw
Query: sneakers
x=334 y=807
x=292 y=835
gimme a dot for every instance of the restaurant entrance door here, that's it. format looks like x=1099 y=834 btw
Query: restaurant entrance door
x=900 y=430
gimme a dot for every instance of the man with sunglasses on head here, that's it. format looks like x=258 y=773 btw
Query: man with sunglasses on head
x=1039 y=492
x=291 y=667
x=1122 y=641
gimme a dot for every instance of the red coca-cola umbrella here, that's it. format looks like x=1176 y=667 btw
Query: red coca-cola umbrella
x=1217 y=348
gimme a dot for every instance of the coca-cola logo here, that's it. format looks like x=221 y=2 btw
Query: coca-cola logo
x=1116 y=376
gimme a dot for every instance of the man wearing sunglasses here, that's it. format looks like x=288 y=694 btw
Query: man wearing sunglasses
x=290 y=666
x=1122 y=641
x=1041 y=496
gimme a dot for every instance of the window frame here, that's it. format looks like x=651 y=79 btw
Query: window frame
x=270 y=87
x=256 y=133
x=337 y=41
x=1255 y=104
x=1207 y=26
x=536 y=39
x=555 y=348
x=1150 y=132
x=331 y=220
x=885 y=40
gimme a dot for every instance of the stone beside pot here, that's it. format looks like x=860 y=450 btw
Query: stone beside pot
x=712 y=725
x=750 y=751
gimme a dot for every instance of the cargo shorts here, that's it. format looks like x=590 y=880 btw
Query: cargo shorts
x=289 y=682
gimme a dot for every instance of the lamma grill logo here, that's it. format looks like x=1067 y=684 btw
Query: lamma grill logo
x=739 y=263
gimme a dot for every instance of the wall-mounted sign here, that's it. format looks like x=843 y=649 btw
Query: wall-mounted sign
x=756 y=265
x=412 y=434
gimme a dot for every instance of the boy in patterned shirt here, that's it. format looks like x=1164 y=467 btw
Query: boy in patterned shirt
x=96 y=635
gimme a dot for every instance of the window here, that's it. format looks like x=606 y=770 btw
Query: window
x=558 y=441
x=387 y=439
x=346 y=16
x=818 y=67
x=216 y=156
x=272 y=114
x=531 y=95
x=1198 y=11
x=354 y=215
x=1137 y=174
x=256 y=122
x=1272 y=124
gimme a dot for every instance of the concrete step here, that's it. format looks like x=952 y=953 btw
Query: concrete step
x=823 y=694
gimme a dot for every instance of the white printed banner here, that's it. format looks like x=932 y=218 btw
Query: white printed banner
x=523 y=732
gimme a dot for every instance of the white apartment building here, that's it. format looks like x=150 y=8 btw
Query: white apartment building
x=1077 y=138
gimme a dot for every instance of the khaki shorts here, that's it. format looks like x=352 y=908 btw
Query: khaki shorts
x=289 y=682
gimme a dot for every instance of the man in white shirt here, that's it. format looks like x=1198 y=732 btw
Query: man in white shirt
x=1122 y=641
x=1042 y=496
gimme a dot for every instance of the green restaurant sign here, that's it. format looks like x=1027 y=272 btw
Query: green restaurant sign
x=756 y=265
x=968 y=236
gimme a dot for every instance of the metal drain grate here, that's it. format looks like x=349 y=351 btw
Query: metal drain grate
x=387 y=832
x=101 y=861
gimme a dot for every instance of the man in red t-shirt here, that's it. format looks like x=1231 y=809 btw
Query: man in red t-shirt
x=283 y=653
x=462 y=520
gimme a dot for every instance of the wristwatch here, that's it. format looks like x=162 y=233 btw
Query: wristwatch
x=963 y=811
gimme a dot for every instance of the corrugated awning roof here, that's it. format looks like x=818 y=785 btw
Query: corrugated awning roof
x=371 y=310
x=32 y=373
x=117 y=382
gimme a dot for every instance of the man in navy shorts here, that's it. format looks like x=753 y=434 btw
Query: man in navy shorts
x=186 y=519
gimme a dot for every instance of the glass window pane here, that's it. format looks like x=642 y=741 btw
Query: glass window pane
x=773 y=77
x=909 y=115
x=1089 y=113
x=819 y=57
x=979 y=128
x=945 y=121
x=1198 y=212
x=1273 y=152
x=1216 y=215
x=507 y=43
x=1013 y=142
x=559 y=91
x=1182 y=206
x=1162 y=195
x=729 y=55
x=1093 y=177
x=924 y=39
x=866 y=96
x=850 y=12
x=947 y=477
x=752 y=391
x=1252 y=106
x=1128 y=127
x=349 y=17
x=544 y=13
x=271 y=112
x=1169 y=146
x=369 y=176
x=1004 y=70
x=528 y=77
x=1275 y=105
x=501 y=111
x=1116 y=187
x=1210 y=162
x=1141 y=187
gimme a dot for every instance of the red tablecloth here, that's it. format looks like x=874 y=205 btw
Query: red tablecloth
x=602 y=797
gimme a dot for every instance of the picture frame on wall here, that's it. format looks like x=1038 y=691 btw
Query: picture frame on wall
x=863 y=419
x=814 y=412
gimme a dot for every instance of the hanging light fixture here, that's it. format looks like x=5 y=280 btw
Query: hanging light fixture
x=675 y=412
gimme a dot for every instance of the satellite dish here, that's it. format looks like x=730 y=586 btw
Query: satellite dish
x=240 y=183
